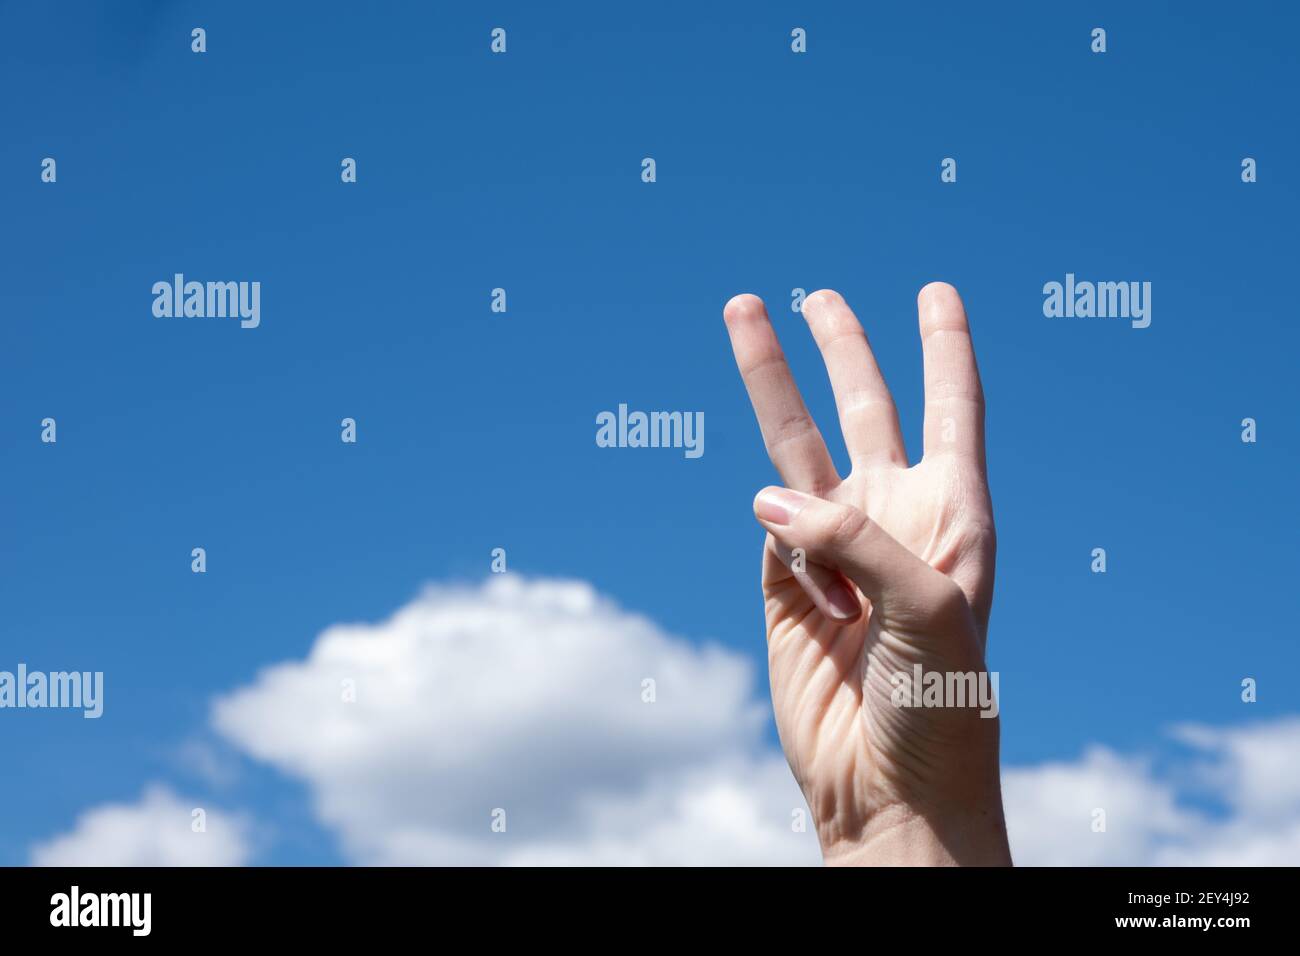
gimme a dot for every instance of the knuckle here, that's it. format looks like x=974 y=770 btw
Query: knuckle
x=843 y=525
x=948 y=602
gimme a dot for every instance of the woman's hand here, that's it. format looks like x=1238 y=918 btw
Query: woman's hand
x=866 y=578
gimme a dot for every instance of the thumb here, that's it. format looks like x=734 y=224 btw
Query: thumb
x=900 y=584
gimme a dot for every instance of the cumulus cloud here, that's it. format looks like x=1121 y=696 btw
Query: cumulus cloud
x=1244 y=783
x=157 y=830
x=1051 y=810
x=1256 y=769
x=528 y=698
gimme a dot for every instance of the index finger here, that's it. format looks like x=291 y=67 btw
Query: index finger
x=793 y=441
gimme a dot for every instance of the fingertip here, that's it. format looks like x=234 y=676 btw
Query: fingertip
x=743 y=306
x=939 y=307
x=844 y=606
x=937 y=291
x=821 y=299
x=761 y=500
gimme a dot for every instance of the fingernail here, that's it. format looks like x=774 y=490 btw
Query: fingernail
x=844 y=605
x=777 y=505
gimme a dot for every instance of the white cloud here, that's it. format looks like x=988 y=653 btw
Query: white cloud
x=1255 y=768
x=525 y=696
x=155 y=831
x=1247 y=780
x=1050 y=811
x=738 y=813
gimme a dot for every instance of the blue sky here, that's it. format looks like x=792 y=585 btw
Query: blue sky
x=476 y=430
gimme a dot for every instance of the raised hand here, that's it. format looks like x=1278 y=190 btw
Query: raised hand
x=893 y=568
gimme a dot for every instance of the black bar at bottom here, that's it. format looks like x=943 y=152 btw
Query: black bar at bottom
x=619 y=907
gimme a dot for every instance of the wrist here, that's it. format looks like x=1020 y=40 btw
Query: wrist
x=901 y=835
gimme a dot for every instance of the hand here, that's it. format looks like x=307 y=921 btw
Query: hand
x=898 y=572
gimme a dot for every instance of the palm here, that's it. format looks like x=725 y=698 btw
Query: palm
x=851 y=750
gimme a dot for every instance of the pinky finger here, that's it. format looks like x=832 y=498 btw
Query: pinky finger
x=826 y=588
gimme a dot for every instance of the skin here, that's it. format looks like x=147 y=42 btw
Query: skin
x=898 y=571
